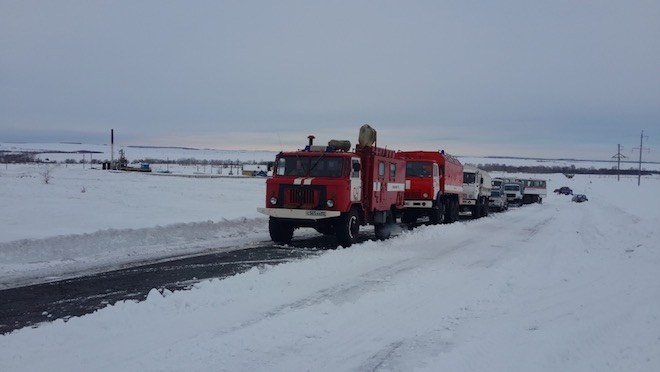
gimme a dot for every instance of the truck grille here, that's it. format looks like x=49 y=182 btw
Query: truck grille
x=413 y=195
x=305 y=197
x=301 y=196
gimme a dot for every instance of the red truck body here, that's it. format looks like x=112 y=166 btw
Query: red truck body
x=334 y=192
x=434 y=186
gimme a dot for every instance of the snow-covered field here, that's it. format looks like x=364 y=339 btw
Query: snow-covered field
x=553 y=287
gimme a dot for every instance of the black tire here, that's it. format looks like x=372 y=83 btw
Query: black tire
x=347 y=228
x=451 y=214
x=484 y=212
x=437 y=215
x=476 y=210
x=280 y=231
x=408 y=217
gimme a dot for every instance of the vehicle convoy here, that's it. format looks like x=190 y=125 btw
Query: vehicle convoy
x=335 y=190
x=434 y=186
x=477 y=185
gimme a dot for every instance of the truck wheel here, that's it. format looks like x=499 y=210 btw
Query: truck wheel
x=280 y=231
x=408 y=217
x=436 y=215
x=485 y=206
x=347 y=228
x=451 y=214
x=476 y=210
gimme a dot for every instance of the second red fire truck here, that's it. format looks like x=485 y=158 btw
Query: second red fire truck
x=434 y=186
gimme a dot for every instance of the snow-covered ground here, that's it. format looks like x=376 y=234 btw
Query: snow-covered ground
x=553 y=287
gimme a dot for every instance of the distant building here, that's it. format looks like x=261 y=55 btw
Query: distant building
x=255 y=170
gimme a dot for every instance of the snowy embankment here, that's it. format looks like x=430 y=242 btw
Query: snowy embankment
x=87 y=220
x=553 y=287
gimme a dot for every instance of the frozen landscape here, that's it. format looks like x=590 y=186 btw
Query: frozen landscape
x=559 y=286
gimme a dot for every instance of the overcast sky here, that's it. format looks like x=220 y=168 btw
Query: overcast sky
x=560 y=78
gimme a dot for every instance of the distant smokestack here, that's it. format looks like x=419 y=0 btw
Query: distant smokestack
x=311 y=140
x=112 y=148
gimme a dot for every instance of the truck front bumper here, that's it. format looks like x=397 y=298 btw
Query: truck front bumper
x=418 y=204
x=298 y=214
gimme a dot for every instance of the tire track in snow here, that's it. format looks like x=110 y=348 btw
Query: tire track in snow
x=380 y=277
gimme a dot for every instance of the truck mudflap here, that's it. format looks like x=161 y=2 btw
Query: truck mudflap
x=298 y=214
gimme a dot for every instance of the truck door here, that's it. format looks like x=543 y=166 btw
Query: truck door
x=356 y=181
x=437 y=174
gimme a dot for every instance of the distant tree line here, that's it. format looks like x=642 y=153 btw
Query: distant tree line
x=17 y=157
x=195 y=161
x=31 y=157
x=544 y=169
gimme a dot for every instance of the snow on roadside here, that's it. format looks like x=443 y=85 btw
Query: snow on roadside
x=558 y=286
x=88 y=220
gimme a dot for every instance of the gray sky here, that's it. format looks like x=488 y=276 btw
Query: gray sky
x=560 y=78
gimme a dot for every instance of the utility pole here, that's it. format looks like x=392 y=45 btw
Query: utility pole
x=641 y=146
x=618 y=157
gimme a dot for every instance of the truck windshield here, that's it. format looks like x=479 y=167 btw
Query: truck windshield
x=310 y=166
x=469 y=178
x=511 y=187
x=419 y=169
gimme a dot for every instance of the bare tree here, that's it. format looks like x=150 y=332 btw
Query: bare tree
x=46 y=172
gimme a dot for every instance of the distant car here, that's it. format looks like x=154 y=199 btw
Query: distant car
x=564 y=190
x=579 y=198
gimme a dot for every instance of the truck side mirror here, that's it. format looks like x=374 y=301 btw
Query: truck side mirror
x=356 y=167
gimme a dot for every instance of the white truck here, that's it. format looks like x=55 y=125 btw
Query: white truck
x=514 y=192
x=477 y=185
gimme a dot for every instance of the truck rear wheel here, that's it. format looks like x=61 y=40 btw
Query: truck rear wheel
x=451 y=211
x=347 y=228
x=280 y=231
x=484 y=204
x=437 y=215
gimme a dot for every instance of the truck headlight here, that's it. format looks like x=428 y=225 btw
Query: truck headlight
x=425 y=195
x=273 y=200
x=330 y=203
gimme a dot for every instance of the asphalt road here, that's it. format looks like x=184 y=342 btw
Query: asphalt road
x=32 y=305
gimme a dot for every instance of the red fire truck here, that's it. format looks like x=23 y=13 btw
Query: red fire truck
x=434 y=186
x=335 y=190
